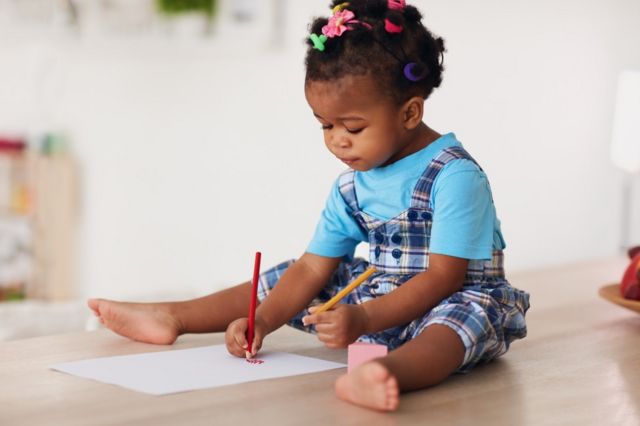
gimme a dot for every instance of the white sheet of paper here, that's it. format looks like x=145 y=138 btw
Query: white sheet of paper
x=181 y=370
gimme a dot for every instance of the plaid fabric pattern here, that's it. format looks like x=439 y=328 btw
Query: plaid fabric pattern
x=487 y=314
x=487 y=317
x=398 y=246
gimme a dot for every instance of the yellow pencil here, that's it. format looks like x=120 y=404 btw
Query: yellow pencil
x=338 y=297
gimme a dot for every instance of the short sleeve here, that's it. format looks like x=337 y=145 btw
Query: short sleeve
x=337 y=233
x=464 y=216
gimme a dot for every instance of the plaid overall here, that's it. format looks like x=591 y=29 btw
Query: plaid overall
x=487 y=313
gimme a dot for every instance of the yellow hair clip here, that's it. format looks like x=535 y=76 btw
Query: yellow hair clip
x=339 y=7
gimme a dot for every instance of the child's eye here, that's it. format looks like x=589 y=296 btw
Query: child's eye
x=354 y=131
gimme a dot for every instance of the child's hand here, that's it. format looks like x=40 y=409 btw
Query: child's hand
x=236 y=337
x=340 y=326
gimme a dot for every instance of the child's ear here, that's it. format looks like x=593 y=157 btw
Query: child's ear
x=412 y=112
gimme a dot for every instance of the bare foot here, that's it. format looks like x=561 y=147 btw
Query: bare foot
x=144 y=322
x=370 y=385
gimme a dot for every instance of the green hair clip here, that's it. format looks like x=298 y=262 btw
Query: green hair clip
x=318 y=41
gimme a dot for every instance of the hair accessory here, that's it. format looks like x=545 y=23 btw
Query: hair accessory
x=409 y=72
x=392 y=28
x=318 y=41
x=396 y=4
x=341 y=21
x=338 y=23
x=339 y=7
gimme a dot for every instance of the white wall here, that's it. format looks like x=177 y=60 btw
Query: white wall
x=195 y=154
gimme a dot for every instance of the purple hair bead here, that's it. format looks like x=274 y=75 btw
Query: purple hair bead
x=408 y=72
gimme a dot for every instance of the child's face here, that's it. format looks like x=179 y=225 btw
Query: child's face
x=361 y=126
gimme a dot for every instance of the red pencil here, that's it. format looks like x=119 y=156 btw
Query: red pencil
x=254 y=302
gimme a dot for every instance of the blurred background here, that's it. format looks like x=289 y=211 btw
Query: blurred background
x=149 y=147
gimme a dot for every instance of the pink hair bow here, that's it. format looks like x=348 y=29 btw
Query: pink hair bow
x=338 y=23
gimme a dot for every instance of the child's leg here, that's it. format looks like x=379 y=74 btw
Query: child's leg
x=422 y=362
x=162 y=323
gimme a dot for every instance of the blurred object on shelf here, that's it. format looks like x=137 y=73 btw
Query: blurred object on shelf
x=54 y=219
x=176 y=7
x=14 y=190
x=187 y=17
x=244 y=10
x=52 y=144
x=258 y=23
x=16 y=256
x=37 y=218
x=9 y=144
x=117 y=17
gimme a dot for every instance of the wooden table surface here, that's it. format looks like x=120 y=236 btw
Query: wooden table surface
x=579 y=365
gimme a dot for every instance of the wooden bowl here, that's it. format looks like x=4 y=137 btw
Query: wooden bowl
x=611 y=292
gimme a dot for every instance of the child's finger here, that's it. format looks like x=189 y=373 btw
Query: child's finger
x=316 y=318
x=327 y=338
x=251 y=352
x=232 y=345
x=324 y=328
x=309 y=319
x=255 y=347
x=240 y=339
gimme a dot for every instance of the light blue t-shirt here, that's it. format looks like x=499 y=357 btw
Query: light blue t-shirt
x=464 y=224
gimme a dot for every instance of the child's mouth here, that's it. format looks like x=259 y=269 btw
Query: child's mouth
x=348 y=161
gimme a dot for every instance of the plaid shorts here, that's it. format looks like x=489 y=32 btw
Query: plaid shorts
x=487 y=316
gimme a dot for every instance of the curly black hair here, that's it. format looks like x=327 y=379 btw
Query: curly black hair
x=369 y=49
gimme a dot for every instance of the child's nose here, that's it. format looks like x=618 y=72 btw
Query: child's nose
x=340 y=141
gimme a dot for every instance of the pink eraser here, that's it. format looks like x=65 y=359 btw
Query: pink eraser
x=360 y=353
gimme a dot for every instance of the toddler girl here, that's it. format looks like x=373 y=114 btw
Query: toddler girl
x=439 y=299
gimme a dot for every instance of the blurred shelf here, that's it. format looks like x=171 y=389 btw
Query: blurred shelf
x=37 y=221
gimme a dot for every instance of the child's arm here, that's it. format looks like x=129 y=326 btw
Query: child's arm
x=344 y=324
x=301 y=282
x=418 y=295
